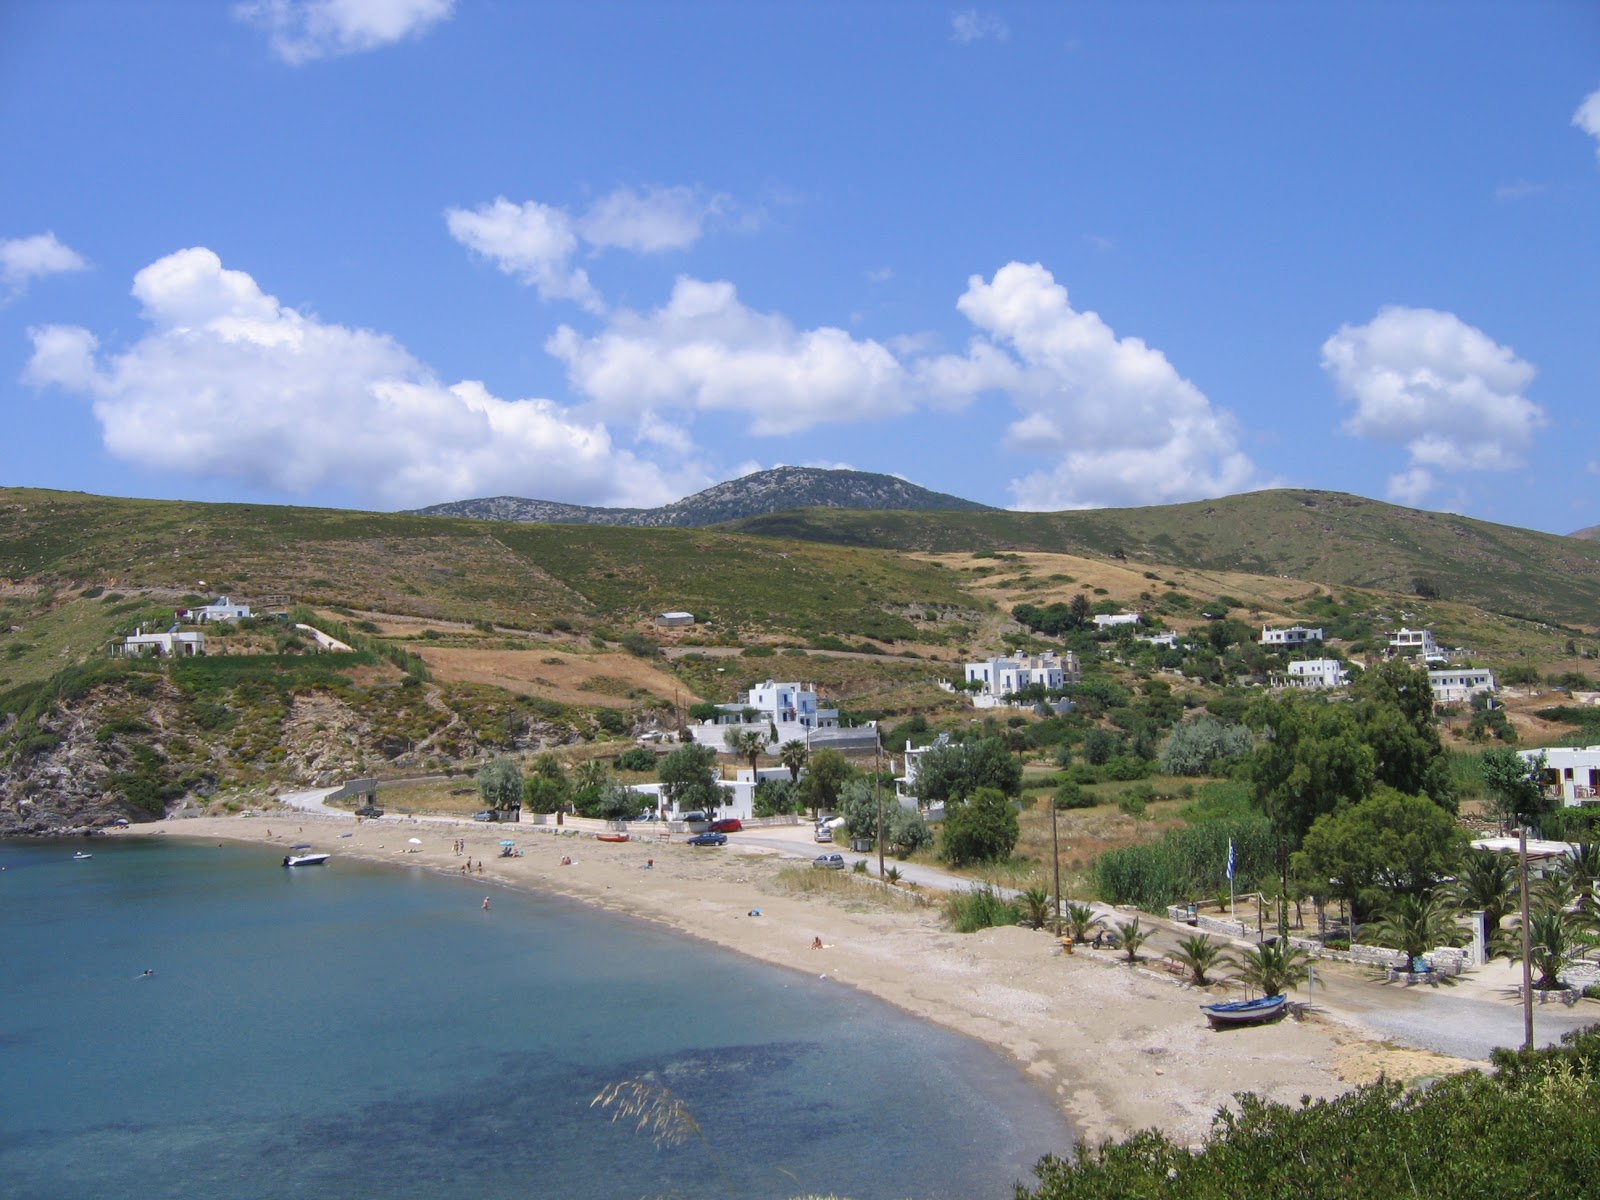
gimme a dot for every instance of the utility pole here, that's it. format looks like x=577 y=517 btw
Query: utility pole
x=877 y=789
x=1055 y=857
x=1527 y=970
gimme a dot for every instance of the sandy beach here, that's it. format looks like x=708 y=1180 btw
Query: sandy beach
x=1117 y=1048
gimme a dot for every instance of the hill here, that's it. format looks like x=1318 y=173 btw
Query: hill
x=1592 y=533
x=771 y=491
x=1322 y=537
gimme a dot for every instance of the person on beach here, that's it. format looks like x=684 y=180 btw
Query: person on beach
x=486 y=904
x=816 y=943
x=649 y=864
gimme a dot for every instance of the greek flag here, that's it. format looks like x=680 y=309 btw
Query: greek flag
x=1230 y=858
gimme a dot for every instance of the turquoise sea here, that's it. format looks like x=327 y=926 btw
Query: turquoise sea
x=365 y=1031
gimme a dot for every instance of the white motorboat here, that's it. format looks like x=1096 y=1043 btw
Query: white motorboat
x=81 y=854
x=304 y=860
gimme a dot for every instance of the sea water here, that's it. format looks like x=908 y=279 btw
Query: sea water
x=356 y=1030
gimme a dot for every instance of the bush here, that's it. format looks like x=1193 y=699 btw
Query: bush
x=979 y=908
x=636 y=759
x=639 y=645
x=981 y=828
x=1188 y=862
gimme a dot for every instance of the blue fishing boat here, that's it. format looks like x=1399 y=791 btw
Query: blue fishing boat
x=1245 y=1012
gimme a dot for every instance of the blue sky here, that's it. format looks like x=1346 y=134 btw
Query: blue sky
x=386 y=253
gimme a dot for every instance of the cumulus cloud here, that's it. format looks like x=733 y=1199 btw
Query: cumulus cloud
x=228 y=383
x=704 y=351
x=1587 y=118
x=1444 y=390
x=22 y=260
x=1123 y=425
x=537 y=242
x=302 y=30
x=533 y=242
x=970 y=26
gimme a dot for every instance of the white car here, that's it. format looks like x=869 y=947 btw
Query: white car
x=824 y=833
x=829 y=862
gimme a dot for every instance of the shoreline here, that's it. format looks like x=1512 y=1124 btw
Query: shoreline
x=1114 y=1049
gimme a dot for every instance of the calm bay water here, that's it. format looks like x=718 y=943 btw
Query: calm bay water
x=360 y=1031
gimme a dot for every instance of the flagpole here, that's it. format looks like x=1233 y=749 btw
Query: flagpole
x=1233 y=905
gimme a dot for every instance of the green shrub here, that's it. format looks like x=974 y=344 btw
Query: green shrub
x=979 y=908
x=636 y=759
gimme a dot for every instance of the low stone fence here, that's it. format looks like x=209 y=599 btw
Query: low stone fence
x=1218 y=925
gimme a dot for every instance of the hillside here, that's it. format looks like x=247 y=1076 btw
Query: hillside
x=1591 y=533
x=1322 y=537
x=771 y=491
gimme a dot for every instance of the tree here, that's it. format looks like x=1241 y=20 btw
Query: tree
x=1275 y=966
x=1487 y=882
x=500 y=785
x=1555 y=943
x=956 y=771
x=1395 y=705
x=1390 y=843
x=1515 y=786
x=793 y=755
x=541 y=794
x=1197 y=747
x=1311 y=760
x=689 y=778
x=750 y=744
x=908 y=832
x=1099 y=745
x=981 y=827
x=859 y=808
x=1081 y=921
x=1200 y=954
x=777 y=798
x=827 y=771
x=1130 y=937
x=1414 y=925
x=636 y=758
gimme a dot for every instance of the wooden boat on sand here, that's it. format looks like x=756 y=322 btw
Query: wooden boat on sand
x=1245 y=1012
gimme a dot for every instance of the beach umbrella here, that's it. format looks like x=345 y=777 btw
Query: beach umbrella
x=508 y=842
x=415 y=841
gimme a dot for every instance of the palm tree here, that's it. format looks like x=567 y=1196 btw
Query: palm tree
x=1414 y=926
x=591 y=773
x=1557 y=893
x=749 y=744
x=1081 y=921
x=1035 y=906
x=1200 y=954
x=1131 y=937
x=1584 y=869
x=1555 y=942
x=1274 y=966
x=1488 y=881
x=793 y=755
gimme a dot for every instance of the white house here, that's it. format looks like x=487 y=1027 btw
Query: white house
x=1571 y=771
x=905 y=783
x=1318 y=673
x=222 y=609
x=170 y=644
x=1004 y=676
x=1112 y=620
x=1292 y=638
x=782 y=712
x=1413 y=643
x=1453 y=685
x=675 y=618
x=1167 y=640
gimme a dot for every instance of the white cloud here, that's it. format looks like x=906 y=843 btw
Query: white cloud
x=533 y=242
x=303 y=30
x=1447 y=392
x=970 y=26
x=23 y=260
x=1587 y=118
x=227 y=383
x=1522 y=189
x=704 y=351
x=1125 y=426
x=652 y=220
x=880 y=274
x=537 y=242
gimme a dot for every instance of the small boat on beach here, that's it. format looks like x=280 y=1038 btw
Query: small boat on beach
x=304 y=860
x=610 y=837
x=1245 y=1012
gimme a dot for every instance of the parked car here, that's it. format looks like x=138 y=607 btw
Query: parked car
x=824 y=833
x=727 y=825
x=648 y=814
x=829 y=862
x=692 y=817
x=485 y=815
x=709 y=839
x=369 y=811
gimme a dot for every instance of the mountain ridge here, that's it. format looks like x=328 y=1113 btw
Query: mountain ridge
x=778 y=489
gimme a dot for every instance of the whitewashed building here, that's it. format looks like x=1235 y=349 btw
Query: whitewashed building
x=1004 y=676
x=1317 y=673
x=171 y=644
x=1455 y=685
x=1167 y=640
x=1293 y=638
x=671 y=619
x=1572 y=772
x=1112 y=620
x=905 y=783
x=780 y=712
x=1415 y=643
x=221 y=609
